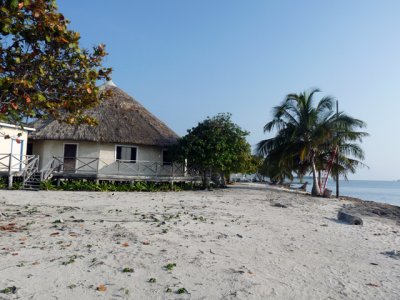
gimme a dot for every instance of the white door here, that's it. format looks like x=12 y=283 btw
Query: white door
x=16 y=155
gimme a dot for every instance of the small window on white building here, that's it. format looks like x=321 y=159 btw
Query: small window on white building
x=126 y=153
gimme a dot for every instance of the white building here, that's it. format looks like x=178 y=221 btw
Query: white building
x=13 y=148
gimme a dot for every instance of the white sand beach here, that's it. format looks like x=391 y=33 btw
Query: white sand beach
x=221 y=244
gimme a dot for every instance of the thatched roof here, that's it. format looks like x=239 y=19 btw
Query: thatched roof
x=121 y=120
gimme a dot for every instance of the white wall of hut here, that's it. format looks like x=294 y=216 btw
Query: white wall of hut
x=101 y=156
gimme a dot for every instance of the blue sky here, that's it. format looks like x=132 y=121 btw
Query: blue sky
x=186 y=60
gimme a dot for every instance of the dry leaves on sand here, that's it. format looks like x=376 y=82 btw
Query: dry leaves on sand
x=373 y=284
x=10 y=228
x=101 y=288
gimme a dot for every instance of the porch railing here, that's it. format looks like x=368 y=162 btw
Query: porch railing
x=17 y=164
x=96 y=166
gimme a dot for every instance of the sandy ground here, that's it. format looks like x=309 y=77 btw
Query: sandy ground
x=222 y=244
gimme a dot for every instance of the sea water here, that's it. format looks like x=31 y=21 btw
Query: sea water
x=374 y=190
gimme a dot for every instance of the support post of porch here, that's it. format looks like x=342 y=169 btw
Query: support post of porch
x=97 y=168
x=10 y=161
x=10 y=181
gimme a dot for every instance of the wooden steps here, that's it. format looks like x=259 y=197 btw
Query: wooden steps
x=33 y=182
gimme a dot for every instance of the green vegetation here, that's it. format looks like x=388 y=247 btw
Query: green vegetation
x=306 y=137
x=170 y=266
x=127 y=270
x=9 y=290
x=139 y=186
x=17 y=185
x=3 y=183
x=71 y=260
x=201 y=218
x=43 y=70
x=71 y=286
x=215 y=146
x=91 y=186
x=47 y=185
x=182 y=291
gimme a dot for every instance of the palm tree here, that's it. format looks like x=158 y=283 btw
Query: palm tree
x=307 y=134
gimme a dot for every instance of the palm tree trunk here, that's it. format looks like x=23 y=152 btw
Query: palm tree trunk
x=315 y=188
x=320 y=179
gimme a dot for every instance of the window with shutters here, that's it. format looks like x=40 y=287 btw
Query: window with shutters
x=126 y=153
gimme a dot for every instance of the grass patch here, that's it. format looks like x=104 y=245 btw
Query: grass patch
x=182 y=291
x=71 y=260
x=9 y=290
x=128 y=270
x=170 y=266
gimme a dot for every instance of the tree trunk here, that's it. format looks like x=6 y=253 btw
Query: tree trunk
x=216 y=178
x=315 y=188
x=223 y=181
x=319 y=179
x=205 y=180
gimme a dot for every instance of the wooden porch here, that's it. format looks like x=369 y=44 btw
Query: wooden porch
x=25 y=166
x=91 y=168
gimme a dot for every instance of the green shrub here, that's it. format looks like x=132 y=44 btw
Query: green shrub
x=17 y=185
x=139 y=186
x=48 y=185
x=105 y=186
x=3 y=183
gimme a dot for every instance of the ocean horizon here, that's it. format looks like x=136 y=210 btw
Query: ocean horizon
x=383 y=191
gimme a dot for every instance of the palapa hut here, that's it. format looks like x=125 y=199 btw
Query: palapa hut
x=128 y=143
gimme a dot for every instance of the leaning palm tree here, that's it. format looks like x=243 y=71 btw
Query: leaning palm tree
x=307 y=132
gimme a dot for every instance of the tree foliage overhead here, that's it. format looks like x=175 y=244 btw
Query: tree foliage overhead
x=43 y=70
x=306 y=136
x=216 y=145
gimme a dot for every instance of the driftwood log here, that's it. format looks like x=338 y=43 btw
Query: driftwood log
x=349 y=218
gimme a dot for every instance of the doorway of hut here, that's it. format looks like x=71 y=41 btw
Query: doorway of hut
x=70 y=151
